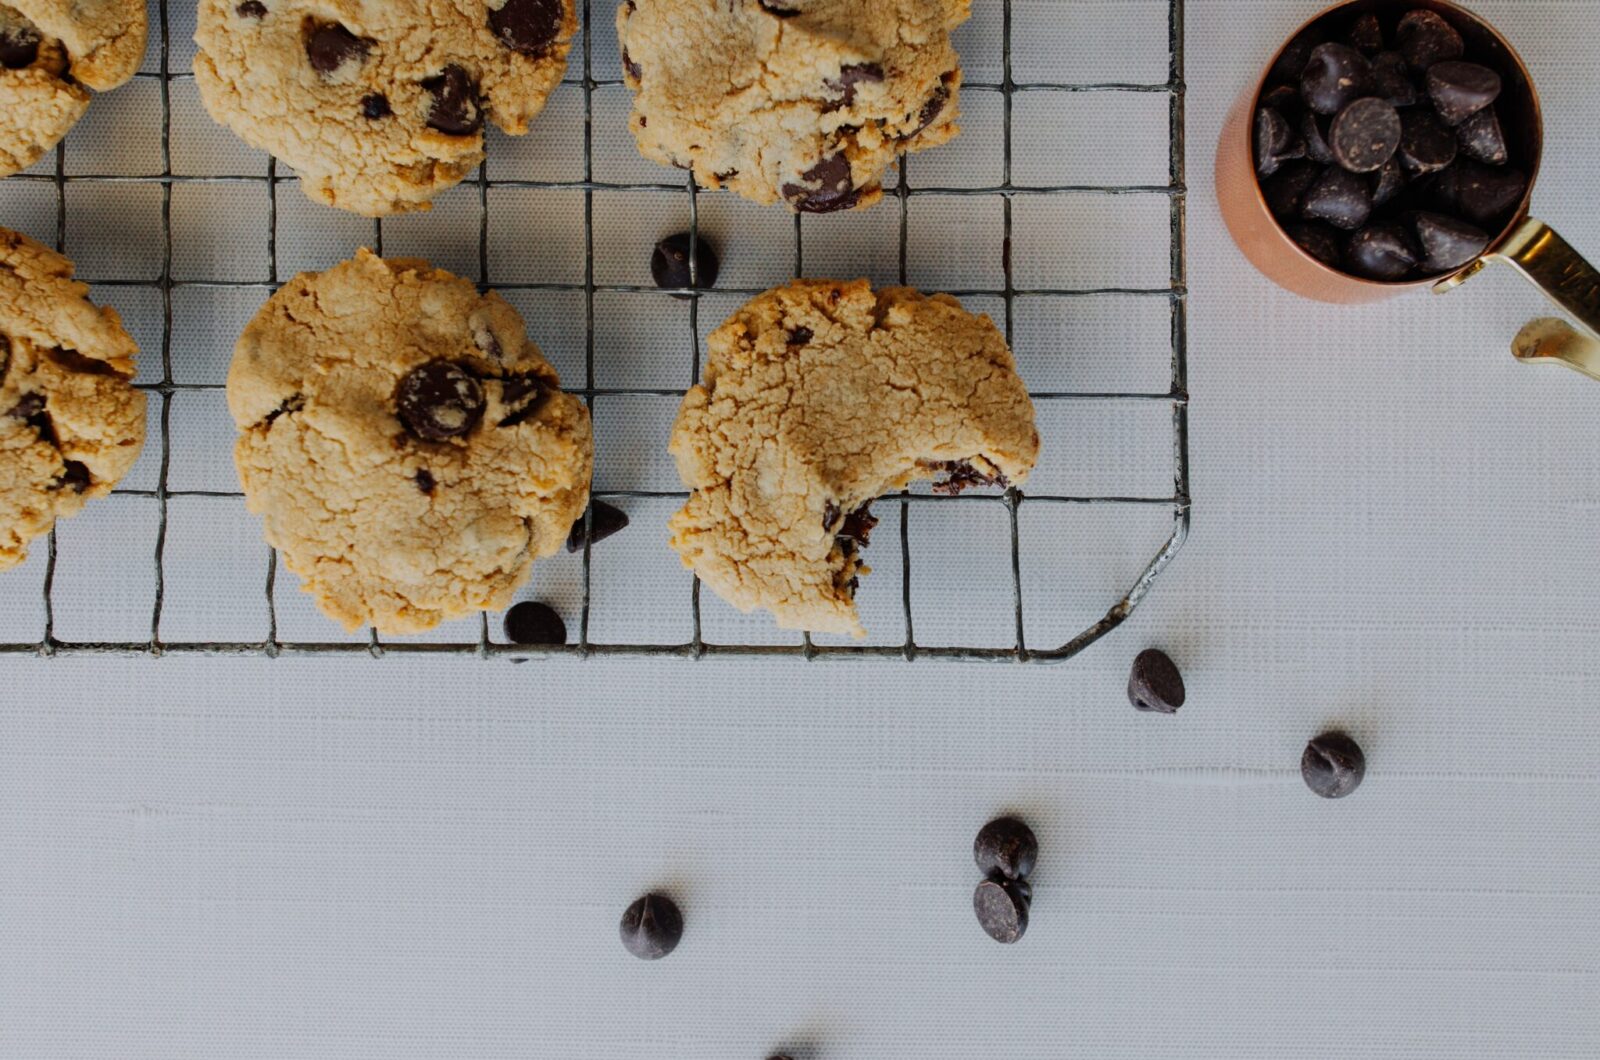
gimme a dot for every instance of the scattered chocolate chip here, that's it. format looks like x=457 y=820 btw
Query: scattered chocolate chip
x=1002 y=909
x=425 y=481
x=1381 y=252
x=1448 y=244
x=800 y=336
x=439 y=400
x=74 y=476
x=1459 y=90
x=292 y=403
x=30 y=405
x=607 y=519
x=1283 y=99
x=1339 y=197
x=849 y=77
x=1318 y=240
x=1276 y=142
x=1388 y=182
x=251 y=9
x=523 y=396
x=1482 y=138
x=1291 y=62
x=330 y=46
x=19 y=47
x=1427 y=144
x=1155 y=683
x=778 y=10
x=1426 y=38
x=652 y=927
x=535 y=625
x=1365 y=135
x=669 y=263
x=527 y=27
x=834 y=187
x=1366 y=34
x=858 y=525
x=1316 y=141
x=1483 y=194
x=457 y=109
x=1005 y=847
x=1391 y=80
x=961 y=476
x=1333 y=765
x=1335 y=76
x=375 y=106
x=1286 y=189
x=634 y=70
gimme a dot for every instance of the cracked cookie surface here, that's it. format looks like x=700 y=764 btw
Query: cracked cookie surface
x=379 y=104
x=819 y=397
x=71 y=422
x=407 y=446
x=51 y=53
x=802 y=101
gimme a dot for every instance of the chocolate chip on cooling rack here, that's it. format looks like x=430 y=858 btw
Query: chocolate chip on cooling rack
x=531 y=624
x=1333 y=765
x=1155 y=683
x=607 y=520
x=1005 y=847
x=651 y=927
x=669 y=263
x=1002 y=908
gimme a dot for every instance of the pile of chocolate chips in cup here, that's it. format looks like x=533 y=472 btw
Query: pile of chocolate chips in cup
x=1382 y=153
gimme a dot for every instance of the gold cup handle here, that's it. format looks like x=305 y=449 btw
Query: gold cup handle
x=1551 y=264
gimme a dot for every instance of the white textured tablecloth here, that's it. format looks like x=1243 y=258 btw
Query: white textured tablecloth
x=1397 y=531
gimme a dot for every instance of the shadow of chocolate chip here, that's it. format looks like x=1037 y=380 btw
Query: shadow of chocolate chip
x=527 y=27
x=457 y=109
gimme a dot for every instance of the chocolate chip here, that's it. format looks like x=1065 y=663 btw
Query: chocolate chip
x=1460 y=90
x=527 y=27
x=1335 y=76
x=439 y=400
x=425 y=481
x=961 y=476
x=1426 y=38
x=849 y=77
x=1366 y=34
x=523 y=396
x=1002 y=909
x=652 y=927
x=1381 y=252
x=834 y=187
x=1482 y=138
x=1391 y=80
x=1283 y=99
x=831 y=514
x=1333 y=765
x=1285 y=190
x=1291 y=62
x=858 y=525
x=1484 y=195
x=1276 y=142
x=1318 y=240
x=251 y=9
x=1005 y=847
x=1339 y=197
x=800 y=336
x=1388 y=182
x=375 y=106
x=31 y=410
x=635 y=71
x=74 y=476
x=1447 y=243
x=669 y=263
x=1365 y=135
x=330 y=46
x=1316 y=142
x=535 y=625
x=1427 y=144
x=1155 y=683
x=608 y=520
x=19 y=47
x=778 y=10
x=456 y=110
x=934 y=106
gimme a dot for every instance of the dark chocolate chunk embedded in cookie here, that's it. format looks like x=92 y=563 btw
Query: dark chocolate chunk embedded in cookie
x=251 y=9
x=330 y=45
x=527 y=27
x=440 y=400
x=849 y=77
x=457 y=109
x=828 y=187
x=19 y=46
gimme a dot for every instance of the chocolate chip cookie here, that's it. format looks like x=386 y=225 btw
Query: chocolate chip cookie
x=52 y=52
x=71 y=423
x=408 y=448
x=807 y=101
x=379 y=106
x=818 y=398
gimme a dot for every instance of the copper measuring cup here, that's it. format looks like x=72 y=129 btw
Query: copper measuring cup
x=1526 y=244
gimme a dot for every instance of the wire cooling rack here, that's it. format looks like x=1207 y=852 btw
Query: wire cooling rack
x=704 y=638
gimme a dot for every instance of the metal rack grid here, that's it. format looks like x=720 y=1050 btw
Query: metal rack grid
x=1175 y=294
